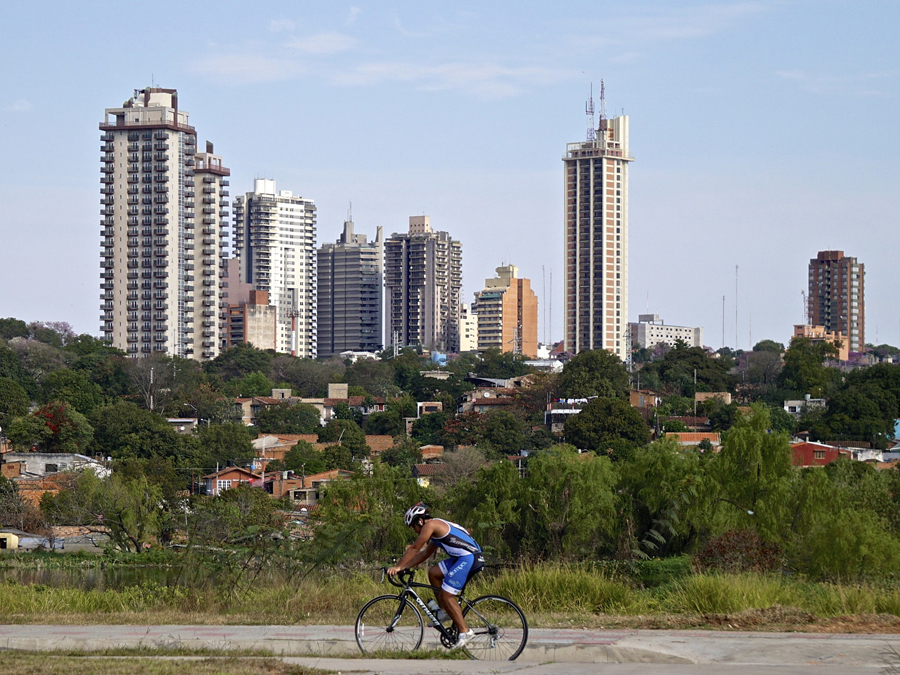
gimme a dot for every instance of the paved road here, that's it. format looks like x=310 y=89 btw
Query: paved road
x=564 y=652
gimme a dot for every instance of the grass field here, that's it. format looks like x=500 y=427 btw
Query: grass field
x=551 y=595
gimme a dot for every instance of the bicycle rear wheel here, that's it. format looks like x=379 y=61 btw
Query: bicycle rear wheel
x=501 y=630
x=389 y=624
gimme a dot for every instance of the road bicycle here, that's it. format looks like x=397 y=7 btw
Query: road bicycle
x=394 y=622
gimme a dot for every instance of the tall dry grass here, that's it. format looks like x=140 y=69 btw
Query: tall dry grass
x=542 y=590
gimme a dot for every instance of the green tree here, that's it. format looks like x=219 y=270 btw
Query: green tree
x=128 y=510
x=376 y=377
x=53 y=427
x=309 y=378
x=251 y=384
x=489 y=501
x=607 y=423
x=568 y=505
x=362 y=518
x=663 y=481
x=680 y=366
x=865 y=412
x=304 y=458
x=768 y=346
x=11 y=328
x=752 y=477
x=405 y=453
x=122 y=429
x=348 y=434
x=429 y=429
x=594 y=373
x=223 y=443
x=74 y=388
x=502 y=365
x=288 y=418
x=14 y=401
x=502 y=433
x=240 y=360
x=804 y=371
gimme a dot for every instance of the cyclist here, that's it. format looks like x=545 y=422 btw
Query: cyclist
x=450 y=574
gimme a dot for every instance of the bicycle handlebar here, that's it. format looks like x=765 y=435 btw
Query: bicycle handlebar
x=405 y=576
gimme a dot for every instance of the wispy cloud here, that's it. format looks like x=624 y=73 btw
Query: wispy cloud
x=489 y=81
x=281 y=25
x=626 y=57
x=323 y=43
x=352 y=15
x=857 y=84
x=249 y=69
x=20 y=105
x=678 y=23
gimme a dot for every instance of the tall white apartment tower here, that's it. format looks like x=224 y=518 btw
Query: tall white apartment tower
x=275 y=241
x=159 y=293
x=596 y=218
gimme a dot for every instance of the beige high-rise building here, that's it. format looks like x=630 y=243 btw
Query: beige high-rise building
x=275 y=241
x=423 y=282
x=596 y=218
x=507 y=313
x=161 y=256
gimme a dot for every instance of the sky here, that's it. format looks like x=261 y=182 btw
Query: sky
x=763 y=132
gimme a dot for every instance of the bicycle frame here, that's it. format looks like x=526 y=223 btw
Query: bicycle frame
x=408 y=587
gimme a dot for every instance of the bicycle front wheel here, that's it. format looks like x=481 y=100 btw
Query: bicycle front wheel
x=501 y=630
x=389 y=624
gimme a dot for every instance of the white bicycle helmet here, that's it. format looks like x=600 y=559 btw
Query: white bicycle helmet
x=419 y=510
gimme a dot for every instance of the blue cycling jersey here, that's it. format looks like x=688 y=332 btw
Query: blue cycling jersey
x=457 y=541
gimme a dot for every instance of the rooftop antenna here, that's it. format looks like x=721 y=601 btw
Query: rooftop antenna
x=805 y=308
x=350 y=212
x=589 y=111
x=603 y=125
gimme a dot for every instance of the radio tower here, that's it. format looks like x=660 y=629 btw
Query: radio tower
x=602 y=125
x=589 y=110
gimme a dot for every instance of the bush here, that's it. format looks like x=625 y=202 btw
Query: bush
x=739 y=551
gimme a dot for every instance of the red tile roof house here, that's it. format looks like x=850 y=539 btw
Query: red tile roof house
x=816 y=454
x=229 y=477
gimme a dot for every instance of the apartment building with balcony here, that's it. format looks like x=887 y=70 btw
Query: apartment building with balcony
x=350 y=293
x=507 y=311
x=158 y=292
x=423 y=283
x=596 y=238
x=275 y=243
x=837 y=296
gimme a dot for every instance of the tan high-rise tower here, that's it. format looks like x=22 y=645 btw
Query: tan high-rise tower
x=596 y=217
x=161 y=267
x=507 y=313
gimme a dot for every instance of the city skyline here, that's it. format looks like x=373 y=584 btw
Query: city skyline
x=737 y=113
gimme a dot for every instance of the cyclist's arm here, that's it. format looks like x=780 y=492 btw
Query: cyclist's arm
x=421 y=549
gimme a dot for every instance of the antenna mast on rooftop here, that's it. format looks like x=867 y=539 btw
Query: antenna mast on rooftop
x=602 y=126
x=589 y=111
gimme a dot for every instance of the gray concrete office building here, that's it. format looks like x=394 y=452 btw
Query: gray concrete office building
x=350 y=292
x=423 y=282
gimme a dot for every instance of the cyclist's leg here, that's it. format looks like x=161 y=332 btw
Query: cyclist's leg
x=454 y=573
